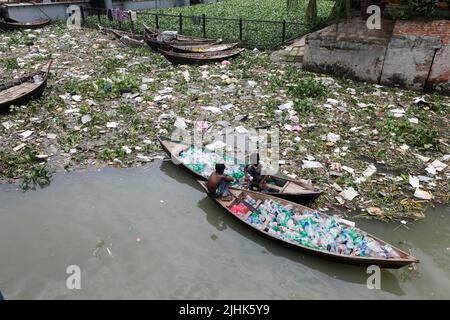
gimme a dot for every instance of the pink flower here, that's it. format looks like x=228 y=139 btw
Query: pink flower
x=266 y=83
x=226 y=62
x=297 y=128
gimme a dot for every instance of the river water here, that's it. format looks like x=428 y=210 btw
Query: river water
x=151 y=233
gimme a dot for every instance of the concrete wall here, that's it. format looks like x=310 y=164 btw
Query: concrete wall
x=57 y=10
x=29 y=11
x=411 y=54
x=149 y=4
x=348 y=49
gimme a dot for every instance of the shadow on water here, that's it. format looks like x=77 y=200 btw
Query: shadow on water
x=349 y=273
x=179 y=174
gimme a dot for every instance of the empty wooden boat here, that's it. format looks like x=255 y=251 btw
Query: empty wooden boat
x=7 y=24
x=152 y=32
x=156 y=44
x=128 y=38
x=201 y=58
x=104 y=30
x=203 y=47
x=310 y=231
x=19 y=91
x=300 y=191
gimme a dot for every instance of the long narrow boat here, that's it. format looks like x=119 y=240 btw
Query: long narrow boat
x=157 y=45
x=299 y=191
x=20 y=91
x=200 y=58
x=179 y=37
x=128 y=38
x=310 y=231
x=203 y=47
x=7 y=24
x=104 y=30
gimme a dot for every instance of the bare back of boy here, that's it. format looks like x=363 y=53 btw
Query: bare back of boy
x=214 y=180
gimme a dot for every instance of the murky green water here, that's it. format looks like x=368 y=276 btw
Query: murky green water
x=167 y=239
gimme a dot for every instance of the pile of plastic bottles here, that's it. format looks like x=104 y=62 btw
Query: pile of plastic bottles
x=314 y=230
x=203 y=163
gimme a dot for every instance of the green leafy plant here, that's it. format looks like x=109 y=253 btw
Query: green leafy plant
x=39 y=175
x=11 y=63
x=307 y=87
x=422 y=7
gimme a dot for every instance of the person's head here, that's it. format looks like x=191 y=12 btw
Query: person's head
x=220 y=168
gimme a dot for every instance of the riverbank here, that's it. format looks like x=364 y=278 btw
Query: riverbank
x=105 y=104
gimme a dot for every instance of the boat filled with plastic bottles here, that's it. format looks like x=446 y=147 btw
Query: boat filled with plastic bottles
x=201 y=162
x=327 y=236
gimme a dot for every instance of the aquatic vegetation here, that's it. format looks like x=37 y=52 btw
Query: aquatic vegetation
x=40 y=175
x=11 y=63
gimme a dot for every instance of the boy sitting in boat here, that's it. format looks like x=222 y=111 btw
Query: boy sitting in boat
x=218 y=183
x=253 y=176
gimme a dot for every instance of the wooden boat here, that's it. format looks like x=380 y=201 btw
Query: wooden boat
x=128 y=38
x=200 y=58
x=152 y=32
x=104 y=30
x=400 y=259
x=20 y=91
x=156 y=44
x=295 y=190
x=7 y=24
x=203 y=47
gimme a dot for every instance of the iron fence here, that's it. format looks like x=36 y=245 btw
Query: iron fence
x=261 y=34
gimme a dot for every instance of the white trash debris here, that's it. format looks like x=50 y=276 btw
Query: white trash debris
x=7 y=124
x=349 y=170
x=438 y=165
x=20 y=146
x=86 y=118
x=371 y=169
x=180 y=123
x=349 y=194
x=288 y=105
x=332 y=102
x=397 y=113
x=111 y=125
x=214 y=110
x=422 y=194
x=126 y=149
x=414 y=181
x=76 y=98
x=311 y=164
x=332 y=137
x=26 y=134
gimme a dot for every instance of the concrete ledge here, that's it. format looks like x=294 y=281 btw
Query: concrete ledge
x=29 y=11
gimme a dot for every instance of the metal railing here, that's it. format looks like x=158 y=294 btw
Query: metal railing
x=261 y=34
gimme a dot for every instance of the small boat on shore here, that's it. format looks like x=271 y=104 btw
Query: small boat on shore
x=7 y=24
x=152 y=32
x=200 y=58
x=129 y=39
x=157 y=45
x=19 y=91
x=310 y=231
x=200 y=48
x=300 y=191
